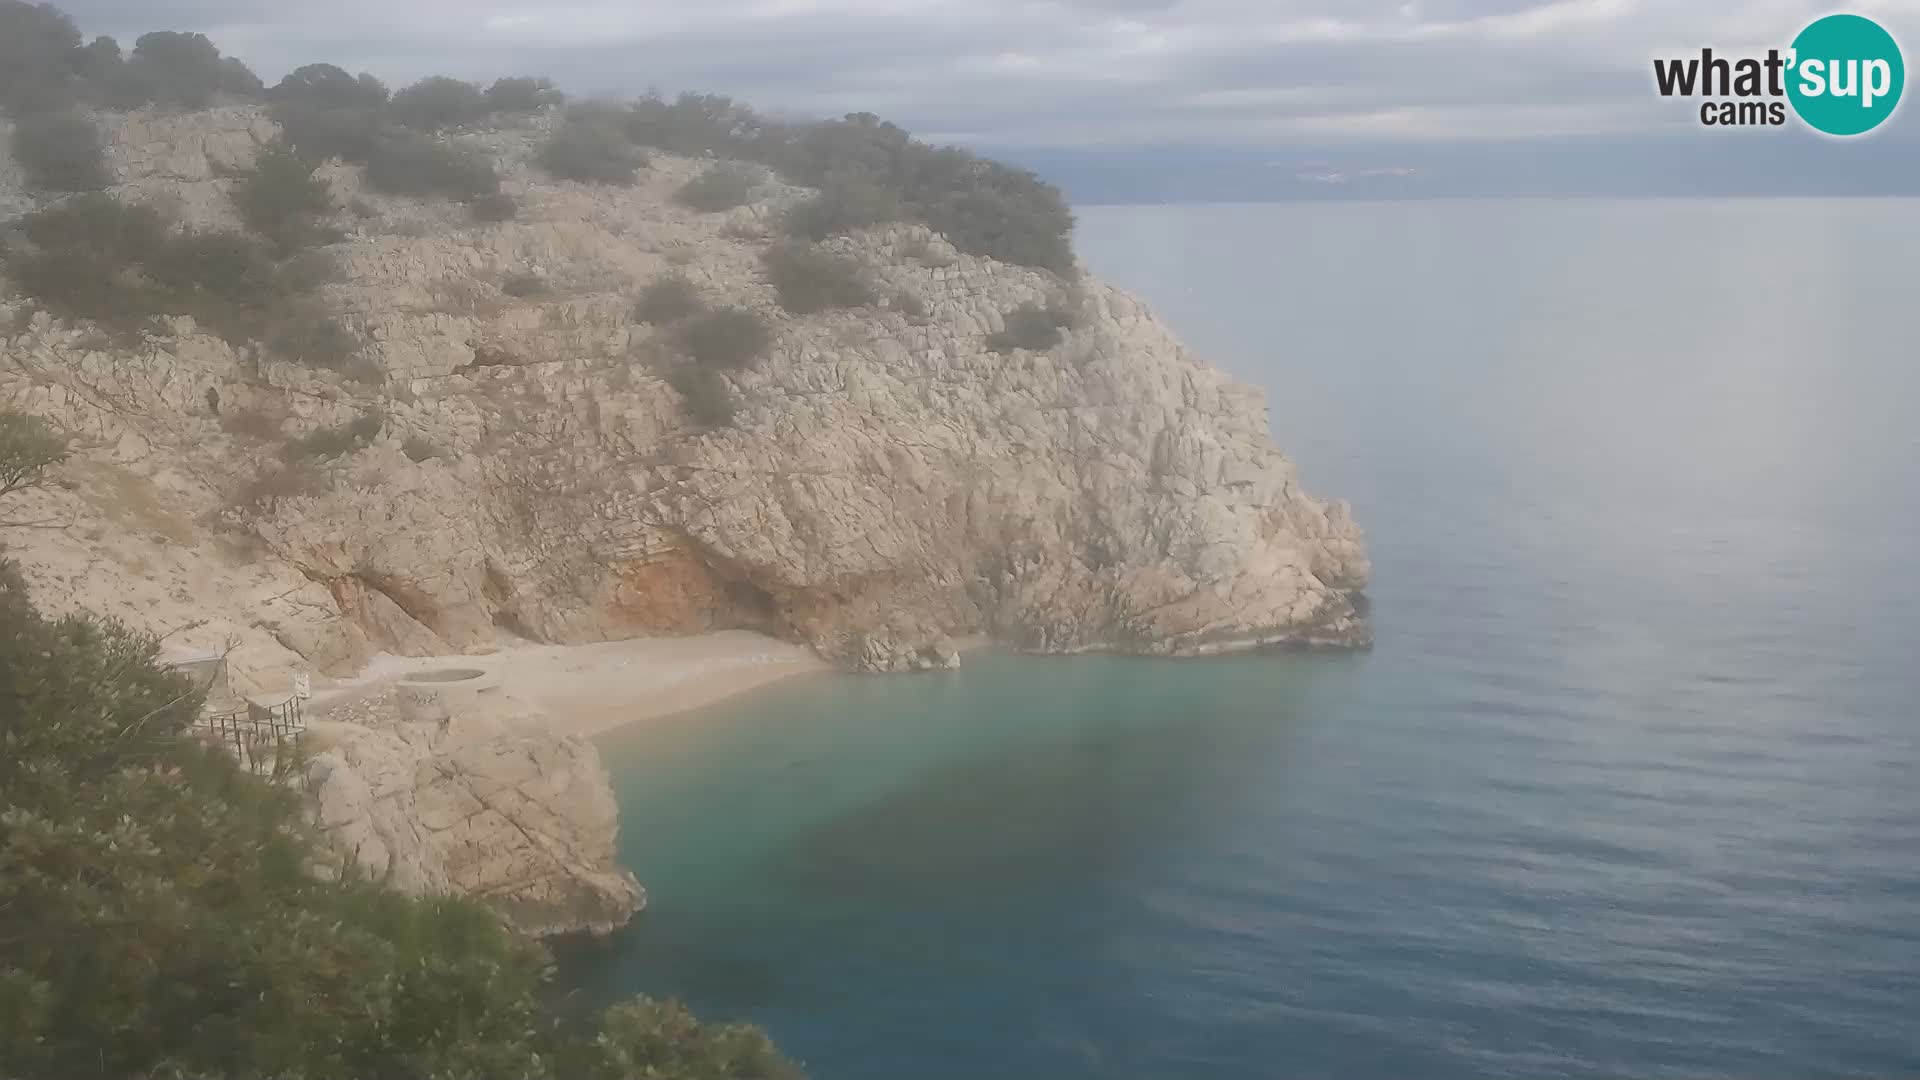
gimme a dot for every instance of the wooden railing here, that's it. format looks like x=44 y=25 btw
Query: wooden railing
x=259 y=735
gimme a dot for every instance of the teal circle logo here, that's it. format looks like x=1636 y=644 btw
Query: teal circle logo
x=1846 y=75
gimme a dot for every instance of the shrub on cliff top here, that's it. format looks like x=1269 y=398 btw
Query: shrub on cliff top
x=590 y=153
x=722 y=187
x=410 y=165
x=811 y=280
x=330 y=87
x=36 y=41
x=438 y=102
x=522 y=94
x=320 y=131
x=61 y=151
x=729 y=338
x=180 y=71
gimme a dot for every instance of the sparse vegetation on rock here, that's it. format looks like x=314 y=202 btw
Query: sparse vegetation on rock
x=667 y=298
x=522 y=94
x=61 y=152
x=119 y=265
x=704 y=394
x=423 y=168
x=810 y=279
x=328 y=87
x=726 y=338
x=281 y=199
x=1030 y=326
x=591 y=152
x=438 y=102
x=722 y=187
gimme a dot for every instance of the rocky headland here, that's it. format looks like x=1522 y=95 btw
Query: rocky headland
x=520 y=464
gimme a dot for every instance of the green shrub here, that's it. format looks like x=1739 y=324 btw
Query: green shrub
x=61 y=151
x=727 y=338
x=329 y=87
x=421 y=168
x=692 y=124
x=524 y=285
x=36 y=41
x=97 y=63
x=667 y=298
x=522 y=94
x=722 y=187
x=844 y=207
x=99 y=225
x=93 y=257
x=205 y=273
x=496 y=207
x=909 y=304
x=590 y=153
x=1029 y=326
x=982 y=207
x=281 y=199
x=320 y=131
x=811 y=280
x=28 y=448
x=704 y=393
x=183 y=71
x=438 y=102
x=84 y=259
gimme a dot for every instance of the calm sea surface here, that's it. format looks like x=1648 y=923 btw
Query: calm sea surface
x=1630 y=785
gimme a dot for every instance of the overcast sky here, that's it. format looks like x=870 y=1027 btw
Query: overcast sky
x=1065 y=73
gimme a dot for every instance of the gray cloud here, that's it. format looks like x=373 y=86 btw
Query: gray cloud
x=1048 y=72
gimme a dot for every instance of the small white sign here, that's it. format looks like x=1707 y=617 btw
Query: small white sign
x=302 y=685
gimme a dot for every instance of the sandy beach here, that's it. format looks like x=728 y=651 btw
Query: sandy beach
x=593 y=689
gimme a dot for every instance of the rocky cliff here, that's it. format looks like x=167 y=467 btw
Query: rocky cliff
x=446 y=783
x=888 y=481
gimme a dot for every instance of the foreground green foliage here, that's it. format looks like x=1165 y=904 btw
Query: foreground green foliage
x=159 y=916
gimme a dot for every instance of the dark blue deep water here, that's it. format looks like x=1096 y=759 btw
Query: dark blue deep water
x=1630 y=785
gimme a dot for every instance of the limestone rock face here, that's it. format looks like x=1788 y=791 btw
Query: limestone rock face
x=890 y=481
x=463 y=790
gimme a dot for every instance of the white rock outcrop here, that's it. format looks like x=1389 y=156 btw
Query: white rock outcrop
x=458 y=788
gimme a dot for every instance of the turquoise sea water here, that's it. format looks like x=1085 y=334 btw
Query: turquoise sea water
x=1630 y=784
